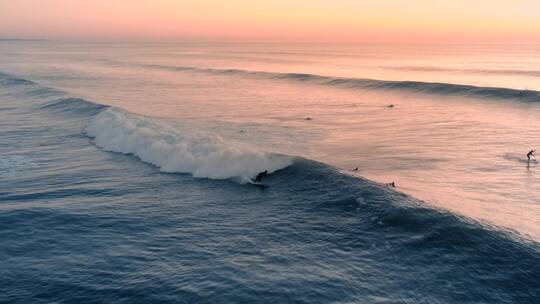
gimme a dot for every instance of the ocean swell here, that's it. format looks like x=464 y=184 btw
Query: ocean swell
x=435 y=88
x=9 y=80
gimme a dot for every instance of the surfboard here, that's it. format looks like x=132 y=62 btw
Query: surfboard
x=519 y=158
x=258 y=184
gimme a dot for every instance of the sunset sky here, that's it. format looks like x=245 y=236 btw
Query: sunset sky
x=497 y=21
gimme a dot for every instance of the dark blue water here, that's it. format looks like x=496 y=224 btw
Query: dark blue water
x=82 y=225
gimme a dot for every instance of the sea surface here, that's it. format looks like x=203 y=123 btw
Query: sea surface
x=125 y=173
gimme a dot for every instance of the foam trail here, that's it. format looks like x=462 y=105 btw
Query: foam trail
x=174 y=147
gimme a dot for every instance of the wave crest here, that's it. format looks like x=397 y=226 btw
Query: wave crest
x=174 y=147
x=74 y=106
x=10 y=80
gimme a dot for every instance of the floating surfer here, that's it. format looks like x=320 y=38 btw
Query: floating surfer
x=260 y=176
x=392 y=184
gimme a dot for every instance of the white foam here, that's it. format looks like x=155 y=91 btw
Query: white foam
x=175 y=147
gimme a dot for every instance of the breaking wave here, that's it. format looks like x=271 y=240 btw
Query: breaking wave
x=178 y=148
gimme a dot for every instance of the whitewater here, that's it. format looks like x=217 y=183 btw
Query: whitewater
x=179 y=149
x=125 y=171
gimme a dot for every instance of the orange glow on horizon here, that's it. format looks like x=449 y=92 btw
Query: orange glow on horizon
x=275 y=20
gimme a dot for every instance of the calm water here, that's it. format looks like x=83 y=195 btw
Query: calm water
x=124 y=169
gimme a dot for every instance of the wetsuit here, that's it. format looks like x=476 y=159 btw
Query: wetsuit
x=260 y=176
x=531 y=153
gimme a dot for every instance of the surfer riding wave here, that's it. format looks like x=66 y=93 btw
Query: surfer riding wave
x=260 y=176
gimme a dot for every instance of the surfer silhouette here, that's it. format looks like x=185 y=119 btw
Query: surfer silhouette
x=530 y=154
x=260 y=176
x=392 y=184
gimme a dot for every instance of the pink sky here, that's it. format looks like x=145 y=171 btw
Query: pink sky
x=425 y=21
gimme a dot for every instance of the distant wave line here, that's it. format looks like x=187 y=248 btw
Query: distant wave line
x=534 y=73
x=437 y=88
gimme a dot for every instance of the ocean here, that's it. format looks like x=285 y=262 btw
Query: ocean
x=125 y=173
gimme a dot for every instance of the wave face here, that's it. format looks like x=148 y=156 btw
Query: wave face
x=73 y=106
x=9 y=80
x=26 y=88
x=436 y=88
x=179 y=148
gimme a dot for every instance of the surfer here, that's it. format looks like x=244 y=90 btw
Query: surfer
x=260 y=176
x=530 y=154
x=392 y=184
